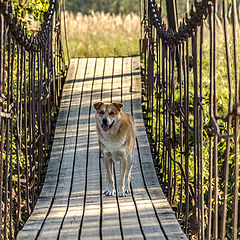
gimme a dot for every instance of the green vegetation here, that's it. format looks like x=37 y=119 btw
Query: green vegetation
x=107 y=6
x=13 y=154
x=103 y=35
x=29 y=11
x=115 y=32
x=222 y=89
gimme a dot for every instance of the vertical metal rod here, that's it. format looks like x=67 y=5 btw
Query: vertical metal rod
x=174 y=51
x=33 y=142
x=201 y=164
x=18 y=148
x=1 y=118
x=215 y=167
x=10 y=130
x=236 y=129
x=186 y=106
x=164 y=87
x=26 y=132
x=196 y=127
x=12 y=55
x=229 y=123
x=209 y=226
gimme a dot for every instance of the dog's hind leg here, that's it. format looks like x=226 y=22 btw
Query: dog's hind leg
x=128 y=173
x=108 y=162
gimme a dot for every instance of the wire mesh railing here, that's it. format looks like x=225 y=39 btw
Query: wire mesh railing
x=191 y=97
x=32 y=69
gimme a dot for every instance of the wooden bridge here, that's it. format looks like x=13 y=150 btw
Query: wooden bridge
x=192 y=136
x=72 y=204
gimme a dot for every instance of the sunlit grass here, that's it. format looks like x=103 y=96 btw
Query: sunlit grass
x=103 y=35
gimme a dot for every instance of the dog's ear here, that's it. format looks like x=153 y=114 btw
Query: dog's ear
x=118 y=105
x=97 y=105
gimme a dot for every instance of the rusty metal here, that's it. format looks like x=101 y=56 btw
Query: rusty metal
x=31 y=78
x=186 y=132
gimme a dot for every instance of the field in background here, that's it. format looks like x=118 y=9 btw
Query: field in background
x=103 y=35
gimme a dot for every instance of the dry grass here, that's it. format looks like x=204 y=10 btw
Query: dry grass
x=102 y=35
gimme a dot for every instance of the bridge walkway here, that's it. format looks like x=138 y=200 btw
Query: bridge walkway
x=72 y=204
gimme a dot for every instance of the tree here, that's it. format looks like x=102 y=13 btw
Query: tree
x=172 y=14
x=107 y=6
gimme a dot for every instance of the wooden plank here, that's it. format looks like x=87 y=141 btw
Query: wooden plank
x=117 y=80
x=34 y=223
x=107 y=80
x=145 y=211
x=110 y=214
x=91 y=221
x=53 y=222
x=71 y=223
x=129 y=217
x=165 y=215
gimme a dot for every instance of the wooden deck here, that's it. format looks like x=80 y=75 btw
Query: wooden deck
x=72 y=204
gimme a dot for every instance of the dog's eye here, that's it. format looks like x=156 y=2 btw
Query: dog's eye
x=111 y=113
x=102 y=112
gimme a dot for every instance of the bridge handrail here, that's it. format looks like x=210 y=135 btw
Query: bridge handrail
x=32 y=71
x=186 y=131
x=18 y=31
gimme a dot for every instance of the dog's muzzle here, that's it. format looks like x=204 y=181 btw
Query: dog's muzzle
x=105 y=125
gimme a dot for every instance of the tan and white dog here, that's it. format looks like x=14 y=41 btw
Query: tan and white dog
x=116 y=132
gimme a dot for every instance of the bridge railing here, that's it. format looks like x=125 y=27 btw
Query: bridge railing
x=32 y=69
x=192 y=115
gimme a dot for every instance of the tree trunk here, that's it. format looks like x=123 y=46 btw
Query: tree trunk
x=187 y=6
x=172 y=14
x=216 y=7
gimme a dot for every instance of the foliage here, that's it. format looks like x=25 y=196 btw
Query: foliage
x=107 y=6
x=103 y=35
x=222 y=89
x=29 y=11
x=26 y=12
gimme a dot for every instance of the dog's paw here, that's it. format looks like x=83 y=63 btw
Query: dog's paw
x=109 y=192
x=127 y=190
x=121 y=194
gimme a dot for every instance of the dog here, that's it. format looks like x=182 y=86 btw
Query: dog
x=116 y=135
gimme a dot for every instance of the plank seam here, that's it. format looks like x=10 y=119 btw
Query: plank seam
x=100 y=168
x=74 y=158
x=88 y=141
x=133 y=198
x=144 y=181
x=115 y=180
x=132 y=194
x=60 y=165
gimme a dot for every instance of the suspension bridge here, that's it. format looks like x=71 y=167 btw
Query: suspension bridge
x=52 y=176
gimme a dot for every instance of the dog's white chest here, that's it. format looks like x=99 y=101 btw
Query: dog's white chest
x=113 y=146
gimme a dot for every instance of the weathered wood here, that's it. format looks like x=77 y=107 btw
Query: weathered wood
x=54 y=220
x=72 y=204
x=35 y=221
x=91 y=220
x=71 y=223
x=129 y=218
x=146 y=214
x=110 y=213
x=165 y=214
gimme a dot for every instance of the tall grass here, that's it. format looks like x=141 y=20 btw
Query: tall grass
x=102 y=35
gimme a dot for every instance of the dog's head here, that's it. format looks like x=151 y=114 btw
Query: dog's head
x=108 y=114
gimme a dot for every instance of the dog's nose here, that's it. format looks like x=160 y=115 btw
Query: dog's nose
x=105 y=121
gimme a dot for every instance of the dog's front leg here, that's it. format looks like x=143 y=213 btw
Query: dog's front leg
x=123 y=170
x=108 y=162
x=128 y=172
